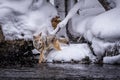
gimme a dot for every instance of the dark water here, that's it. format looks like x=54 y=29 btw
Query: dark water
x=51 y=71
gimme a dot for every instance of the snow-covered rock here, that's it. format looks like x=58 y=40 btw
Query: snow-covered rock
x=112 y=60
x=95 y=25
x=75 y=52
x=23 y=19
x=20 y=6
x=102 y=30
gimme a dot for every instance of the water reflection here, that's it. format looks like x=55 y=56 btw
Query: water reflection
x=69 y=66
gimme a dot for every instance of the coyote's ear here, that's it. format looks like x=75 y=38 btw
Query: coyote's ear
x=40 y=34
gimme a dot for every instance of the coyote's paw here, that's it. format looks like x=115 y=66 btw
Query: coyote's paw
x=40 y=61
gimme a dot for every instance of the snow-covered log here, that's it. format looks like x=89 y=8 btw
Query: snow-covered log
x=97 y=26
x=61 y=8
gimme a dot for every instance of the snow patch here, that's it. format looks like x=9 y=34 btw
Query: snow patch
x=112 y=59
x=22 y=22
x=74 y=52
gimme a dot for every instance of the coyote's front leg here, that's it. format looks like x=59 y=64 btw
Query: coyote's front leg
x=41 y=58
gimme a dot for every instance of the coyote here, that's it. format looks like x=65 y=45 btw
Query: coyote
x=46 y=43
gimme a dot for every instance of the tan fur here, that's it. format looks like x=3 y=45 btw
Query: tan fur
x=44 y=44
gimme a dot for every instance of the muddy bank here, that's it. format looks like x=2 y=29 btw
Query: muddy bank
x=16 y=52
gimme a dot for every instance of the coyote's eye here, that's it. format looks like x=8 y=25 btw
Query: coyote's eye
x=35 y=41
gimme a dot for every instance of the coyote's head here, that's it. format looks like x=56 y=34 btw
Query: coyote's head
x=38 y=42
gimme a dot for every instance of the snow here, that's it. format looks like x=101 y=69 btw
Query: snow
x=104 y=27
x=112 y=60
x=24 y=22
x=16 y=5
x=96 y=25
x=35 y=51
x=52 y=1
x=110 y=30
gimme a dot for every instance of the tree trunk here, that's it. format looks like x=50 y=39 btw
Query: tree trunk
x=60 y=6
x=2 y=38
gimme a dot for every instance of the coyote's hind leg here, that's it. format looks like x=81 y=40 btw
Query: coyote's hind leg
x=56 y=45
